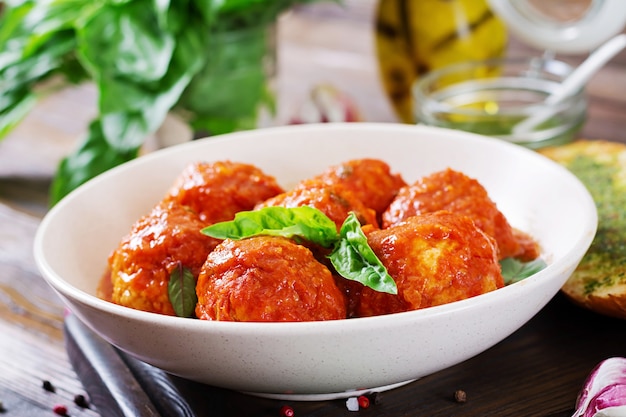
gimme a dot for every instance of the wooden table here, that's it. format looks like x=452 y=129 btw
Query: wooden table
x=535 y=372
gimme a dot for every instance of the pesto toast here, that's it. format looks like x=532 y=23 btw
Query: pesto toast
x=599 y=282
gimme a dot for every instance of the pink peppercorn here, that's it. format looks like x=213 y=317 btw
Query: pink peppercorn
x=364 y=402
x=286 y=411
x=60 y=409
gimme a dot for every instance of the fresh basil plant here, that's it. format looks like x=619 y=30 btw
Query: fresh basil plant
x=146 y=57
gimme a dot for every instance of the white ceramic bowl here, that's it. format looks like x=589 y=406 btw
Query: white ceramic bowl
x=319 y=360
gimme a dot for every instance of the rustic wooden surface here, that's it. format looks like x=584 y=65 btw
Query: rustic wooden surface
x=535 y=372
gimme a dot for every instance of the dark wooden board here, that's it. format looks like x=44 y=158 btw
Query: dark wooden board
x=537 y=371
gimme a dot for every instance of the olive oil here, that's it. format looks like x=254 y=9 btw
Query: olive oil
x=414 y=37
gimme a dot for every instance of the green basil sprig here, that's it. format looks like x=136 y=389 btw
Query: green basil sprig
x=351 y=256
x=514 y=270
x=181 y=289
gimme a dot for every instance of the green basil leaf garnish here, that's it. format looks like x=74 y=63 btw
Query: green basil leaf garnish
x=351 y=256
x=353 y=259
x=514 y=270
x=296 y=222
x=181 y=289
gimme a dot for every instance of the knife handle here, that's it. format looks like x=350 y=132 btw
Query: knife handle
x=112 y=387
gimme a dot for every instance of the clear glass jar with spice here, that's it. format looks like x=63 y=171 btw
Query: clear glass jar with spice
x=492 y=97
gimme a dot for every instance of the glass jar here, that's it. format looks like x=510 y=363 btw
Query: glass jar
x=417 y=36
x=492 y=97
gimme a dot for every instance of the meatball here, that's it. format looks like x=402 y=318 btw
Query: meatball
x=332 y=199
x=454 y=191
x=141 y=265
x=266 y=278
x=218 y=190
x=435 y=258
x=370 y=180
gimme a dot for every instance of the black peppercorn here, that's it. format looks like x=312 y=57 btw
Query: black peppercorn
x=375 y=398
x=81 y=401
x=47 y=385
x=460 y=396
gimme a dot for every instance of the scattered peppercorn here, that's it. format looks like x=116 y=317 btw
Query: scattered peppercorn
x=460 y=396
x=81 y=401
x=364 y=402
x=375 y=398
x=286 y=411
x=47 y=385
x=60 y=409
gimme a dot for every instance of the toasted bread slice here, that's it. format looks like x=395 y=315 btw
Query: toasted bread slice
x=599 y=282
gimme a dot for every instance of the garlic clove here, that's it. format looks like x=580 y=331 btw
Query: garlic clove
x=327 y=104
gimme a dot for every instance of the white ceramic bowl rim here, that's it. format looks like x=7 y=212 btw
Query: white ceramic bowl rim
x=59 y=284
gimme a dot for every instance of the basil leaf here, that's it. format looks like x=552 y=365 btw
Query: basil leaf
x=304 y=222
x=353 y=259
x=181 y=290
x=35 y=67
x=92 y=158
x=232 y=14
x=28 y=57
x=514 y=270
x=12 y=114
x=135 y=96
x=161 y=9
x=235 y=77
x=124 y=40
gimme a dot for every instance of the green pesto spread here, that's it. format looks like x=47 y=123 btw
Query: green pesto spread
x=605 y=262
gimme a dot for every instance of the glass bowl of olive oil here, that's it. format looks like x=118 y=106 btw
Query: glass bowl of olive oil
x=491 y=97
